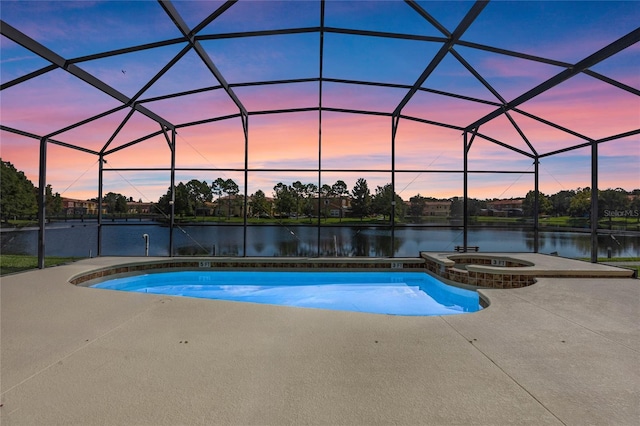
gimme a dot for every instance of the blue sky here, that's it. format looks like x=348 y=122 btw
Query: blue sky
x=561 y=31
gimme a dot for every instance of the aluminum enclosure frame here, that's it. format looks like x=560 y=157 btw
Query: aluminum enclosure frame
x=191 y=38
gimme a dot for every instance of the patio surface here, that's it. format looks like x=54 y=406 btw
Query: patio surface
x=562 y=351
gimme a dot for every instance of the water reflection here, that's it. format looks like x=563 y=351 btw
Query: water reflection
x=80 y=240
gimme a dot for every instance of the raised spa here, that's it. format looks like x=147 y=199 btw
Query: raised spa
x=393 y=293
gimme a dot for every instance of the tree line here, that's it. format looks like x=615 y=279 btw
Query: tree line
x=18 y=198
x=297 y=199
x=306 y=199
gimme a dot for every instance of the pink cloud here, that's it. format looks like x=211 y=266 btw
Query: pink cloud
x=366 y=98
x=51 y=102
x=280 y=96
x=510 y=67
x=586 y=105
x=215 y=145
x=290 y=141
x=194 y=107
x=283 y=140
x=444 y=109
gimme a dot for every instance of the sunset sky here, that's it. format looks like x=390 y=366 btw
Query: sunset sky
x=425 y=156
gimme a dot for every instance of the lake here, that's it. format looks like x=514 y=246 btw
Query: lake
x=79 y=239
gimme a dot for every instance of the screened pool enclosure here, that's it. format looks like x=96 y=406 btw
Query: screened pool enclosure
x=335 y=103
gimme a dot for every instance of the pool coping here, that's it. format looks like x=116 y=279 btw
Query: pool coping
x=233 y=263
x=480 y=270
x=513 y=270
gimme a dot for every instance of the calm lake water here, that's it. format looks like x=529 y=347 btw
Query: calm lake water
x=125 y=239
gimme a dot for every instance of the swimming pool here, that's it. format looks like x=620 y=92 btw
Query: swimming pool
x=393 y=293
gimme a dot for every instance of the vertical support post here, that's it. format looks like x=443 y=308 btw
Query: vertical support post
x=320 y=73
x=245 y=128
x=172 y=202
x=465 y=194
x=42 y=201
x=319 y=194
x=536 y=205
x=395 y=120
x=594 y=202
x=101 y=162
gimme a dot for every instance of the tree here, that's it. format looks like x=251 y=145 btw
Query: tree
x=561 y=202
x=217 y=188
x=580 y=204
x=361 y=199
x=54 y=201
x=417 y=204
x=298 y=190
x=457 y=207
x=283 y=198
x=385 y=201
x=259 y=204
x=544 y=204
x=612 y=199
x=339 y=190
x=325 y=191
x=162 y=206
x=182 y=204
x=324 y=195
x=231 y=189
x=634 y=204
x=474 y=206
x=199 y=192
x=310 y=193
x=17 y=193
x=116 y=203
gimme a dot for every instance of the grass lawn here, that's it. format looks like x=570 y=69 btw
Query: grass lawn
x=619 y=259
x=10 y=264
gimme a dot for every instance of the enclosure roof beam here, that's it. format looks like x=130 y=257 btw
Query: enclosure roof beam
x=308 y=30
x=587 y=144
x=184 y=29
x=117 y=131
x=477 y=75
x=53 y=141
x=473 y=13
x=315 y=79
x=29 y=76
x=86 y=121
x=160 y=73
x=384 y=34
x=90 y=58
x=19 y=132
x=602 y=54
x=40 y=50
x=613 y=82
x=515 y=54
x=552 y=124
x=620 y=136
x=415 y=6
x=134 y=142
x=131 y=49
x=209 y=19
x=495 y=93
x=504 y=145
x=208 y=120
x=520 y=132
x=548 y=62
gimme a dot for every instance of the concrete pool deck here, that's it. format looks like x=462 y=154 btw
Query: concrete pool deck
x=561 y=351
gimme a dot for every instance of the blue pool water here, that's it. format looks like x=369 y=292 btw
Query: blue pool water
x=394 y=293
